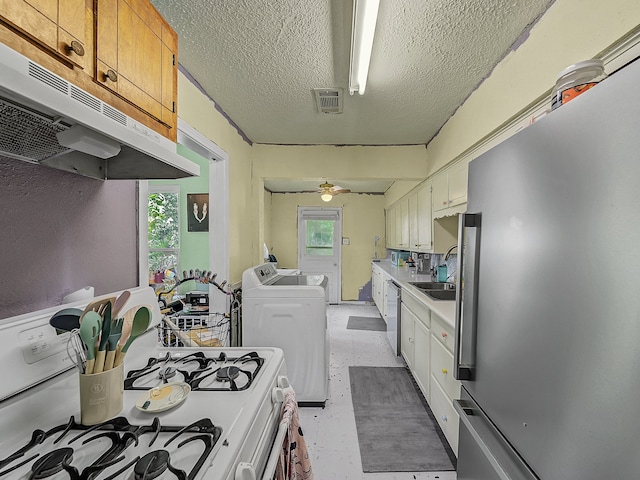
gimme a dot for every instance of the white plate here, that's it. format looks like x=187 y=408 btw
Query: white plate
x=164 y=397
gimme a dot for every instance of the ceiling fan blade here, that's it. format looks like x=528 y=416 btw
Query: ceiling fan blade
x=342 y=190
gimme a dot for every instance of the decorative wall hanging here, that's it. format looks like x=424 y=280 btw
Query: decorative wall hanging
x=198 y=212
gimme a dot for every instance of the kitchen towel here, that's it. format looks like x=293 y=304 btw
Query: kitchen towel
x=373 y=324
x=396 y=429
x=294 y=462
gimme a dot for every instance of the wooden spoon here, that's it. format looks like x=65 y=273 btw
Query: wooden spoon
x=126 y=327
x=119 y=303
x=141 y=322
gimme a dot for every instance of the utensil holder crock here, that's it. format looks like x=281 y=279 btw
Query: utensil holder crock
x=101 y=395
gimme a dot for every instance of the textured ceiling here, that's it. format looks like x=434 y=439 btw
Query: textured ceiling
x=260 y=59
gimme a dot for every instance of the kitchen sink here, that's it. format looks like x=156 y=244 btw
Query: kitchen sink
x=441 y=294
x=434 y=285
x=437 y=290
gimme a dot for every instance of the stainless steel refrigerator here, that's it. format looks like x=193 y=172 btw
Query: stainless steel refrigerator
x=548 y=334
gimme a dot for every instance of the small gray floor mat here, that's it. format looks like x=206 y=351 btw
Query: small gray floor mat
x=374 y=324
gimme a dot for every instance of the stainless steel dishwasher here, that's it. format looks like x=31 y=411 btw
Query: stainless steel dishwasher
x=392 y=315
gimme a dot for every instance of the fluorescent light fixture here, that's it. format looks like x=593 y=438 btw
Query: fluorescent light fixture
x=365 y=15
x=326 y=197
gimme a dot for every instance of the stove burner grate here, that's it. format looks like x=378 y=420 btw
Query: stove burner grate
x=122 y=435
x=52 y=463
x=231 y=374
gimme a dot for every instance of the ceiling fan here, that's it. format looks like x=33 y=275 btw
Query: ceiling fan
x=328 y=190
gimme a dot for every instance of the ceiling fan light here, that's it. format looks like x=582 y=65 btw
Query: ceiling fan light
x=365 y=16
x=326 y=197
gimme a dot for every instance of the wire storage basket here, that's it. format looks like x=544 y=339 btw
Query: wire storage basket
x=209 y=330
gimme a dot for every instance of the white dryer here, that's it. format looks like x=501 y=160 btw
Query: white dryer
x=289 y=312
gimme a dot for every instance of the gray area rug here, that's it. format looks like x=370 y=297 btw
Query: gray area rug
x=374 y=324
x=396 y=429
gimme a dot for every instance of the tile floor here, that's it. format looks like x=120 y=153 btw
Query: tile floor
x=331 y=432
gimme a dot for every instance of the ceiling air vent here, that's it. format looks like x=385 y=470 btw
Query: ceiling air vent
x=328 y=100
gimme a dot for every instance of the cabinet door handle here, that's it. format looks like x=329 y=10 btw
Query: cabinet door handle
x=444 y=418
x=111 y=75
x=75 y=47
x=444 y=371
x=444 y=334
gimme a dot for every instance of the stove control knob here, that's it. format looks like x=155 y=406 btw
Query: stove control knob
x=245 y=471
x=283 y=382
x=277 y=395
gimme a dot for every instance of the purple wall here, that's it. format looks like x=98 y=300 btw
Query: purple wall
x=60 y=232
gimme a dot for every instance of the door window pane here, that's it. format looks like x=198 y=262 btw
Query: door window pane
x=164 y=232
x=319 y=237
x=161 y=261
x=164 y=228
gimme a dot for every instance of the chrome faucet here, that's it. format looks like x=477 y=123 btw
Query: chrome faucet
x=448 y=254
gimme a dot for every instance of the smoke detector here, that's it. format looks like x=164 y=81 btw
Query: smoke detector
x=328 y=100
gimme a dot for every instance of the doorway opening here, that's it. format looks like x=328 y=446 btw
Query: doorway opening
x=320 y=246
x=217 y=183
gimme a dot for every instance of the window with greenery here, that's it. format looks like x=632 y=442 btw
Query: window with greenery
x=319 y=237
x=164 y=230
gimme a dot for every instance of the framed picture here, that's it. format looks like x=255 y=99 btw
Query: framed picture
x=198 y=212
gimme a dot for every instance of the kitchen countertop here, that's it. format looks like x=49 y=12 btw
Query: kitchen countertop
x=445 y=309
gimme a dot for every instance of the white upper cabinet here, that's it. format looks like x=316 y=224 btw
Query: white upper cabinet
x=413 y=219
x=391 y=233
x=450 y=187
x=403 y=223
x=425 y=240
x=458 y=175
x=420 y=239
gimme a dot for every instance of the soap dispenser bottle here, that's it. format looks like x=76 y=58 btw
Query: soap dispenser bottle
x=442 y=273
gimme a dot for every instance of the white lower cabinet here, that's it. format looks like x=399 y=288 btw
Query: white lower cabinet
x=446 y=416
x=379 y=288
x=421 y=356
x=444 y=387
x=442 y=369
x=407 y=335
x=375 y=286
x=427 y=347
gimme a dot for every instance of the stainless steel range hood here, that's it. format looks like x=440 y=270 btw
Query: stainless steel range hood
x=46 y=120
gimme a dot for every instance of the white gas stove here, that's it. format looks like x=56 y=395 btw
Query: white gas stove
x=189 y=412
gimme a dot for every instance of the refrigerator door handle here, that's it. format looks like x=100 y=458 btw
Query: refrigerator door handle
x=464 y=371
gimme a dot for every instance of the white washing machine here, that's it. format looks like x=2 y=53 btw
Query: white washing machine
x=289 y=312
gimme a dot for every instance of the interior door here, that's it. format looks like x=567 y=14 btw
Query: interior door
x=319 y=245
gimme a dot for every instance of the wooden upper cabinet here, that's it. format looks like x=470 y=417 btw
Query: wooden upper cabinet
x=136 y=56
x=75 y=32
x=63 y=27
x=169 y=75
x=121 y=51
